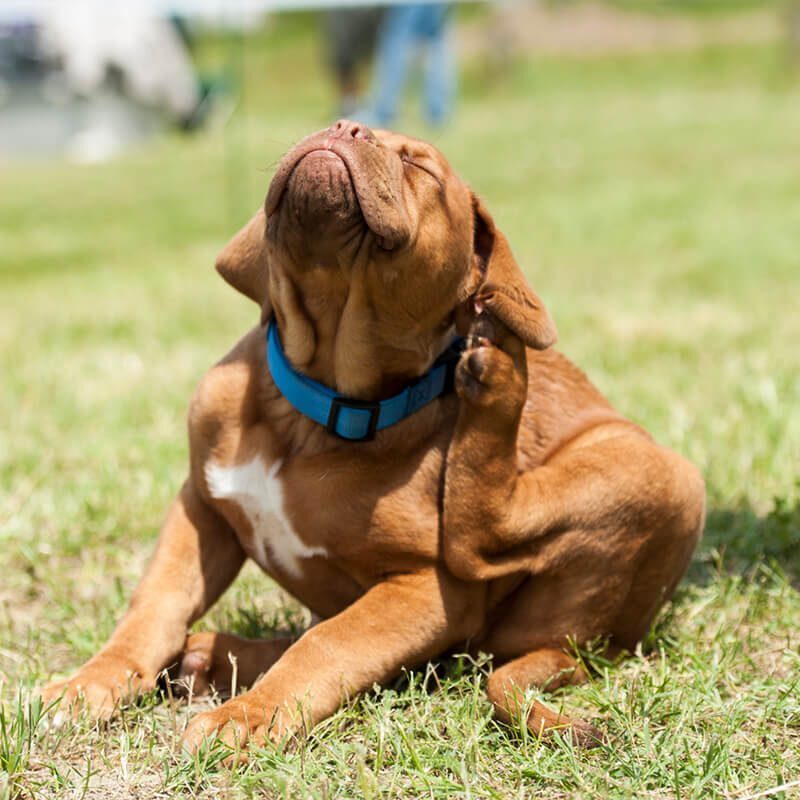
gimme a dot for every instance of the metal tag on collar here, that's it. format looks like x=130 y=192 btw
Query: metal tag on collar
x=338 y=403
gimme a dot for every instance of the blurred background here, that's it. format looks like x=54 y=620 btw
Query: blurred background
x=643 y=157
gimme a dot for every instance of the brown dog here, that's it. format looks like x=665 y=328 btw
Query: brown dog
x=518 y=515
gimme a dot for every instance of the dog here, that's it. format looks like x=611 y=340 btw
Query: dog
x=398 y=445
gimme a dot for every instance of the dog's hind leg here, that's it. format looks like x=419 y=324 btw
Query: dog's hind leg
x=548 y=669
x=226 y=662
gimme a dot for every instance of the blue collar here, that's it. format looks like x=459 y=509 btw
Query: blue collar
x=357 y=420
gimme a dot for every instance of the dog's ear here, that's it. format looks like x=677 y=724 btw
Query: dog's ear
x=504 y=290
x=243 y=263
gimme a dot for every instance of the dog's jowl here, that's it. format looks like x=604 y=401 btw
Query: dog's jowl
x=398 y=444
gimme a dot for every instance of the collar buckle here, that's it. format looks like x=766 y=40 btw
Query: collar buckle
x=339 y=403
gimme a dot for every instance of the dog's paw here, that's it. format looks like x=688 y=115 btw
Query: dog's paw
x=239 y=723
x=204 y=665
x=492 y=372
x=98 y=688
x=224 y=662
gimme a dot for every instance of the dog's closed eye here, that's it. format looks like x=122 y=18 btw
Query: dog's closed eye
x=408 y=160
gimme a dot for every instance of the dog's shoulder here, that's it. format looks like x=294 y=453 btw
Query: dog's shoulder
x=227 y=390
x=225 y=401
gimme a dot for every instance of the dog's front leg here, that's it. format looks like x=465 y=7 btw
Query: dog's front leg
x=196 y=558
x=399 y=622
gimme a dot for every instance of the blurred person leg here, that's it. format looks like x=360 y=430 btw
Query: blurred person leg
x=395 y=43
x=351 y=35
x=405 y=27
x=793 y=22
x=440 y=74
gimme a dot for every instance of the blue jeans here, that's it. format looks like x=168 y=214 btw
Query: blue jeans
x=404 y=27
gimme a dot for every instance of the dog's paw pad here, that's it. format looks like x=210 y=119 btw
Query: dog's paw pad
x=487 y=376
x=478 y=361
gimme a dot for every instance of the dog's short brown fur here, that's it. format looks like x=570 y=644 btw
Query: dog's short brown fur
x=518 y=516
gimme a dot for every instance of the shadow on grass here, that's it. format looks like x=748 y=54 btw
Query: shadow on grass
x=738 y=539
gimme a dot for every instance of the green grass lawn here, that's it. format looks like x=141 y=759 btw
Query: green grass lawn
x=655 y=201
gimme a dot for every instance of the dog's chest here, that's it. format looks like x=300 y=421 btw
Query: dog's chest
x=258 y=493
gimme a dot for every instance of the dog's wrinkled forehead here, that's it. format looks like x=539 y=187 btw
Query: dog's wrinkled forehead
x=409 y=145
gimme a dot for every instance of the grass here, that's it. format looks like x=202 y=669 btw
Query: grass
x=654 y=202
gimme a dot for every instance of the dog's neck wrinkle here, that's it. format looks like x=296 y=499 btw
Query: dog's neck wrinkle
x=375 y=376
x=348 y=357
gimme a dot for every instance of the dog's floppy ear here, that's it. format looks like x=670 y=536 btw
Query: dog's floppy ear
x=243 y=263
x=504 y=290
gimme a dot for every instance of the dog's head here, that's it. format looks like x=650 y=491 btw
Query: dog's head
x=368 y=251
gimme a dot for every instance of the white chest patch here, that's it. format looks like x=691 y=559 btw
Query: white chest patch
x=259 y=494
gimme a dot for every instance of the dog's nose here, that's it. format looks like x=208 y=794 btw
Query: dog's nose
x=347 y=129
